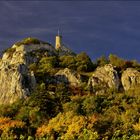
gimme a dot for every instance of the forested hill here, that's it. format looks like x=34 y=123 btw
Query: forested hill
x=59 y=95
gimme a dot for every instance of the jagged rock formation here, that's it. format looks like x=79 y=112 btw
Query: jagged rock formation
x=16 y=81
x=104 y=77
x=130 y=78
x=68 y=76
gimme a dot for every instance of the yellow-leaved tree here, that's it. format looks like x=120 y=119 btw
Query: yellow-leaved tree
x=69 y=126
x=11 y=129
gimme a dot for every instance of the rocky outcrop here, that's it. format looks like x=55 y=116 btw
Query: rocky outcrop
x=104 y=77
x=68 y=76
x=130 y=78
x=22 y=54
x=16 y=81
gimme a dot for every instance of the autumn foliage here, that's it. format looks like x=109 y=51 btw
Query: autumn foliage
x=56 y=111
x=10 y=128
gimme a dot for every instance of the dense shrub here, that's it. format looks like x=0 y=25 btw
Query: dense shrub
x=102 y=61
x=67 y=61
x=120 y=63
x=68 y=126
x=11 y=129
x=84 y=63
x=28 y=41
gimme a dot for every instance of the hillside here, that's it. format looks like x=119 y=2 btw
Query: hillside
x=59 y=95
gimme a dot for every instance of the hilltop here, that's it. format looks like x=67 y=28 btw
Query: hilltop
x=53 y=93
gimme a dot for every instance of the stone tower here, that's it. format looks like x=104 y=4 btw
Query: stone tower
x=58 y=41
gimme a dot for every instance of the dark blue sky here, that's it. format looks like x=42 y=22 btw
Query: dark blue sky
x=96 y=27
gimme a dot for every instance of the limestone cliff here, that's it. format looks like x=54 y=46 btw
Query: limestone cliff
x=16 y=81
x=130 y=78
x=104 y=77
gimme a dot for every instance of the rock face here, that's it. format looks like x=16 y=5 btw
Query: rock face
x=16 y=81
x=130 y=78
x=68 y=76
x=104 y=77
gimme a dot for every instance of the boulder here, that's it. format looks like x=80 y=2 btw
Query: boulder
x=130 y=78
x=68 y=76
x=104 y=77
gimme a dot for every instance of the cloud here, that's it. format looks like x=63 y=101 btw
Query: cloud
x=96 y=27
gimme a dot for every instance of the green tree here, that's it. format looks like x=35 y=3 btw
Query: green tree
x=48 y=62
x=89 y=105
x=84 y=63
x=102 y=61
x=67 y=61
x=120 y=63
